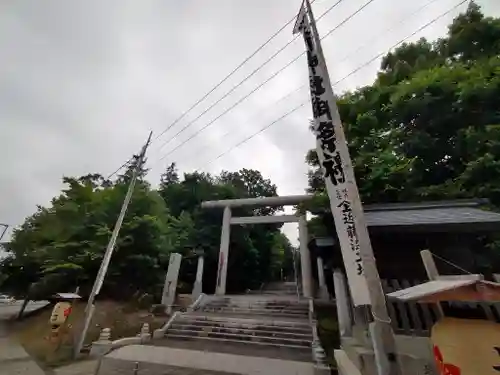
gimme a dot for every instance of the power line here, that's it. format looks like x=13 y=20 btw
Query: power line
x=291 y=62
x=346 y=57
x=228 y=76
x=248 y=58
x=260 y=131
x=244 y=80
x=188 y=125
x=259 y=86
x=340 y=80
x=119 y=169
x=304 y=85
x=270 y=106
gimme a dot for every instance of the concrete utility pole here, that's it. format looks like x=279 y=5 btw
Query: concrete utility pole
x=89 y=310
x=388 y=361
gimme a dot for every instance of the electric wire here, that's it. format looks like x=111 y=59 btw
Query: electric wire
x=340 y=80
x=259 y=86
x=290 y=63
x=255 y=71
x=248 y=58
x=228 y=75
x=286 y=96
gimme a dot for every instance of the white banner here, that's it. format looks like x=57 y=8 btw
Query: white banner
x=334 y=159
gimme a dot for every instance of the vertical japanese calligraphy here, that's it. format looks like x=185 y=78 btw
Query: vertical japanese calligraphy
x=333 y=164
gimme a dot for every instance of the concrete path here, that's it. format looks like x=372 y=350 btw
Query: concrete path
x=13 y=358
x=79 y=368
x=163 y=360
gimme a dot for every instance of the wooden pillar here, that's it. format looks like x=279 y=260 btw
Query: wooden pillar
x=432 y=272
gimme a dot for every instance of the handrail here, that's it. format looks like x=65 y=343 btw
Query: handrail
x=160 y=332
x=311 y=310
x=196 y=303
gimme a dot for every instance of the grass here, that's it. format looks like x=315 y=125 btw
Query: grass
x=34 y=332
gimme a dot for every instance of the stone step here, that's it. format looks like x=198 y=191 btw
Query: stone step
x=199 y=318
x=257 y=331
x=259 y=306
x=256 y=300
x=250 y=326
x=255 y=310
x=269 y=309
x=194 y=335
x=255 y=314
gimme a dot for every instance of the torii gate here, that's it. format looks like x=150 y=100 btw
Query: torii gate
x=228 y=220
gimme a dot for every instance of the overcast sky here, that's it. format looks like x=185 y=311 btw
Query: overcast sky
x=83 y=81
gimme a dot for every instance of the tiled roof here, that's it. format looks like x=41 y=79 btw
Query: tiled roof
x=462 y=215
x=439 y=213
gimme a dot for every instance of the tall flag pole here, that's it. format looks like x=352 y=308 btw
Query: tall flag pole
x=333 y=154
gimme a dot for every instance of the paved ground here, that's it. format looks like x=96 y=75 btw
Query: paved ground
x=79 y=368
x=8 y=310
x=13 y=358
x=275 y=352
x=160 y=360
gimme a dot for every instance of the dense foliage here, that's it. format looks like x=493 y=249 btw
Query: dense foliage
x=429 y=126
x=62 y=246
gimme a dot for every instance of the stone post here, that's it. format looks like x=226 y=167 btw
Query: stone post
x=145 y=333
x=305 y=258
x=170 y=287
x=343 y=303
x=198 y=283
x=323 y=290
x=103 y=344
x=220 y=286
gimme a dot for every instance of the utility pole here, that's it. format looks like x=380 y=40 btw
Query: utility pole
x=89 y=310
x=346 y=207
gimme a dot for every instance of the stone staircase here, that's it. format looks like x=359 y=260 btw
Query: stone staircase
x=260 y=306
x=261 y=332
x=277 y=288
x=261 y=327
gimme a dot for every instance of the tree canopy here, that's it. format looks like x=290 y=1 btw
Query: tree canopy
x=61 y=246
x=429 y=126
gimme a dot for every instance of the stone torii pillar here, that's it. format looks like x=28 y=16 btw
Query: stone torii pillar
x=305 y=258
x=198 y=283
x=220 y=286
x=170 y=287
